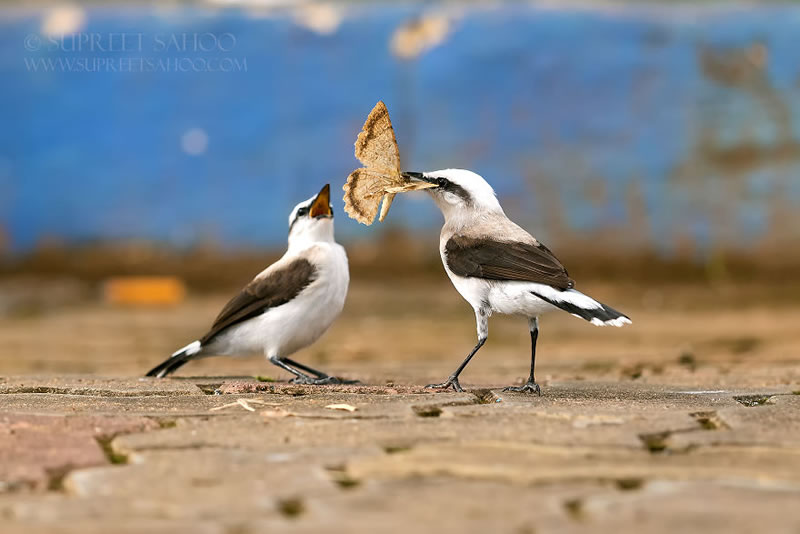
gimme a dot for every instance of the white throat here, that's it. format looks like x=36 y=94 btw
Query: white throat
x=306 y=232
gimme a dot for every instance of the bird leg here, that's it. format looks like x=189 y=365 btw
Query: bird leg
x=530 y=386
x=301 y=378
x=483 y=333
x=307 y=369
x=322 y=378
x=280 y=363
x=308 y=381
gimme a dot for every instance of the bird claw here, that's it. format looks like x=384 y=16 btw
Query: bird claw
x=308 y=381
x=529 y=387
x=450 y=382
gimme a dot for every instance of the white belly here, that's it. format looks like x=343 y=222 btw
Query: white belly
x=516 y=298
x=283 y=330
x=511 y=298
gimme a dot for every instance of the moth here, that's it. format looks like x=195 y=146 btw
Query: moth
x=376 y=183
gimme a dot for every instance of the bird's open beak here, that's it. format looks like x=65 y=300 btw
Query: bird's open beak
x=419 y=179
x=321 y=207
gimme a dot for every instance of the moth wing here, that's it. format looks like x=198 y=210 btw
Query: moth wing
x=363 y=192
x=376 y=145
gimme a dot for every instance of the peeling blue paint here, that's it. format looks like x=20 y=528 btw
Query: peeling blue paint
x=548 y=104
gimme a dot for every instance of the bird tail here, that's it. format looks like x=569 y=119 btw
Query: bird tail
x=178 y=358
x=583 y=307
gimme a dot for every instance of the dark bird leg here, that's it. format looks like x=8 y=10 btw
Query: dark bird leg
x=530 y=386
x=481 y=317
x=307 y=369
x=322 y=378
x=301 y=378
x=280 y=362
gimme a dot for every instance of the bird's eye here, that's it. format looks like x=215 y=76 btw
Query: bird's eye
x=302 y=212
x=441 y=181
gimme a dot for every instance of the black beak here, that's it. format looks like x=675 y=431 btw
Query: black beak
x=418 y=177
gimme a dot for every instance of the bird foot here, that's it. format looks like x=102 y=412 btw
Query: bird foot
x=308 y=381
x=529 y=387
x=450 y=382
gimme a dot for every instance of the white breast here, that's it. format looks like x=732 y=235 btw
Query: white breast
x=474 y=290
x=290 y=327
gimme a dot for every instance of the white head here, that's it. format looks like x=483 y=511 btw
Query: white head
x=459 y=192
x=312 y=220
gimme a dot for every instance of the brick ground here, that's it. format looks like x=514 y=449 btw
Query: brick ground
x=687 y=421
x=89 y=455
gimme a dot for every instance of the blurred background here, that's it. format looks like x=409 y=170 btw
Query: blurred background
x=150 y=155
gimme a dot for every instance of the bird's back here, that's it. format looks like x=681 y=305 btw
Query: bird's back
x=494 y=225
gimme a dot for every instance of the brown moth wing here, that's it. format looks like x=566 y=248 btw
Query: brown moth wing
x=376 y=148
x=376 y=145
x=363 y=192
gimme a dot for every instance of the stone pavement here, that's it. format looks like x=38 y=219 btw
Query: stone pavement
x=212 y=455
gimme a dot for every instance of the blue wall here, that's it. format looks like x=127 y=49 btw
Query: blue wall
x=647 y=127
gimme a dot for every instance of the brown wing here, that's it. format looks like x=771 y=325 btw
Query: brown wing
x=275 y=289
x=376 y=145
x=497 y=260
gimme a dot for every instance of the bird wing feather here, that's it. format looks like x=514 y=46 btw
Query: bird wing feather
x=497 y=260
x=276 y=288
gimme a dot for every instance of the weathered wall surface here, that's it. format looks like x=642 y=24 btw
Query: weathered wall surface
x=668 y=129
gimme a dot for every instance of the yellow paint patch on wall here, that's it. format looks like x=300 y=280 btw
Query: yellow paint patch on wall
x=144 y=290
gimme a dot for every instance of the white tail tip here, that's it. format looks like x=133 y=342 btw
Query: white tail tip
x=618 y=322
x=191 y=348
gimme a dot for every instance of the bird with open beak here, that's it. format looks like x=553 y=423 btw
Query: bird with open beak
x=287 y=306
x=500 y=268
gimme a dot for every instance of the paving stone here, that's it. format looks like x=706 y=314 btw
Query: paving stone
x=110 y=525
x=150 y=405
x=669 y=506
x=186 y=484
x=433 y=505
x=36 y=451
x=565 y=417
x=283 y=388
x=627 y=456
x=523 y=463
x=444 y=505
x=775 y=423
x=100 y=386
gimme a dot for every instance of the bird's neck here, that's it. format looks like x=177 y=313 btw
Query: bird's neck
x=459 y=219
x=301 y=238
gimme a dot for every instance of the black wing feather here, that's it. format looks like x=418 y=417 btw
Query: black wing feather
x=498 y=260
x=261 y=294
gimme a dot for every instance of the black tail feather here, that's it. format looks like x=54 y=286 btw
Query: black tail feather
x=603 y=313
x=170 y=365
